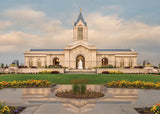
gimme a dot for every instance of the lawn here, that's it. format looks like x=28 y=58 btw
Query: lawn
x=92 y=78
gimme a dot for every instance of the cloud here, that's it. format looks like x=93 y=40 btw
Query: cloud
x=24 y=14
x=5 y=24
x=105 y=31
x=113 y=30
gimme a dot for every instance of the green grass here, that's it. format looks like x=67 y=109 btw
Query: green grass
x=92 y=78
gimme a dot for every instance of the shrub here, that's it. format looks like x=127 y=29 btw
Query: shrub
x=33 y=67
x=54 y=72
x=105 y=72
x=49 y=72
x=138 y=67
x=79 y=86
x=83 y=88
x=112 y=72
x=76 y=88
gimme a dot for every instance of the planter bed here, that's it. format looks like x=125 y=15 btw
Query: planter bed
x=87 y=95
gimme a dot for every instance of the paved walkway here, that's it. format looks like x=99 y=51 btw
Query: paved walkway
x=44 y=101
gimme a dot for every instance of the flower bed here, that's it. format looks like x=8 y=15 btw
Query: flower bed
x=112 y=72
x=156 y=109
x=10 y=109
x=135 y=84
x=149 y=110
x=88 y=94
x=26 y=84
x=49 y=72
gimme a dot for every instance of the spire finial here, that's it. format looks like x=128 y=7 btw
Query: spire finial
x=80 y=9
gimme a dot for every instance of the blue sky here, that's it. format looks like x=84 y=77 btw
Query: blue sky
x=27 y=23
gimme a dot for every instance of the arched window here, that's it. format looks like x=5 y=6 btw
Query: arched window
x=30 y=63
x=122 y=63
x=38 y=63
x=80 y=32
x=130 y=63
x=104 y=62
x=56 y=61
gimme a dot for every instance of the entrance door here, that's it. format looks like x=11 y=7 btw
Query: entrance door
x=80 y=62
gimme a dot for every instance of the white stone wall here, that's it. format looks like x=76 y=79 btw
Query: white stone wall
x=37 y=70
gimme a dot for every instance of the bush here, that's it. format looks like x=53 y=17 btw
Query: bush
x=22 y=67
x=76 y=88
x=33 y=67
x=112 y=72
x=138 y=67
x=54 y=72
x=49 y=72
x=109 y=66
x=83 y=88
x=79 y=86
x=105 y=72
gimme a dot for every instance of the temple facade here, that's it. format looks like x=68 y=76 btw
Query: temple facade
x=80 y=54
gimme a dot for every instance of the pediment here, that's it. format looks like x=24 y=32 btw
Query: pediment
x=81 y=44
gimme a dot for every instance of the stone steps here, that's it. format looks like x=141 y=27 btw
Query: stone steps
x=77 y=71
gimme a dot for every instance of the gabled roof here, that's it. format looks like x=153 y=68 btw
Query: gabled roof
x=46 y=50
x=114 y=50
x=80 y=43
x=80 y=17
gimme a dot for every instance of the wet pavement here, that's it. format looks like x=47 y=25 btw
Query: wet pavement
x=115 y=101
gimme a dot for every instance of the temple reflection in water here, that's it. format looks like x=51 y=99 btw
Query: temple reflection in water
x=47 y=95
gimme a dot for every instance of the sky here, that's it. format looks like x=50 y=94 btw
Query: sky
x=48 y=24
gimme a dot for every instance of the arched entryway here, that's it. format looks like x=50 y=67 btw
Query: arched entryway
x=56 y=61
x=104 y=62
x=80 y=62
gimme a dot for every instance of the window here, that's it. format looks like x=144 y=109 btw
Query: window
x=104 y=62
x=130 y=63
x=30 y=63
x=39 y=63
x=56 y=61
x=80 y=32
x=122 y=63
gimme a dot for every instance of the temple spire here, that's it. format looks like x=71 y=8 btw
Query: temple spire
x=80 y=9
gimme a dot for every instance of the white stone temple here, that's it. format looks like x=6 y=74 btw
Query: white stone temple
x=80 y=54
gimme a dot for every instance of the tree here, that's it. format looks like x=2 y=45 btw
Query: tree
x=144 y=63
x=2 y=65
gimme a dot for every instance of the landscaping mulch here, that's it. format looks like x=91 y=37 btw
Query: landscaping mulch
x=86 y=95
x=16 y=110
x=145 y=110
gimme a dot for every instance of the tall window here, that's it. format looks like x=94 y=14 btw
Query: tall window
x=104 y=62
x=122 y=63
x=30 y=63
x=80 y=32
x=38 y=63
x=130 y=63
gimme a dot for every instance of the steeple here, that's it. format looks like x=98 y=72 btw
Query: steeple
x=80 y=29
x=80 y=17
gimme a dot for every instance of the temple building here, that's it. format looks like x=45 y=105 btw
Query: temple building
x=80 y=54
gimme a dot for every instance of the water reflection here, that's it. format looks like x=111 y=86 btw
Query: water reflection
x=78 y=106
x=113 y=96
